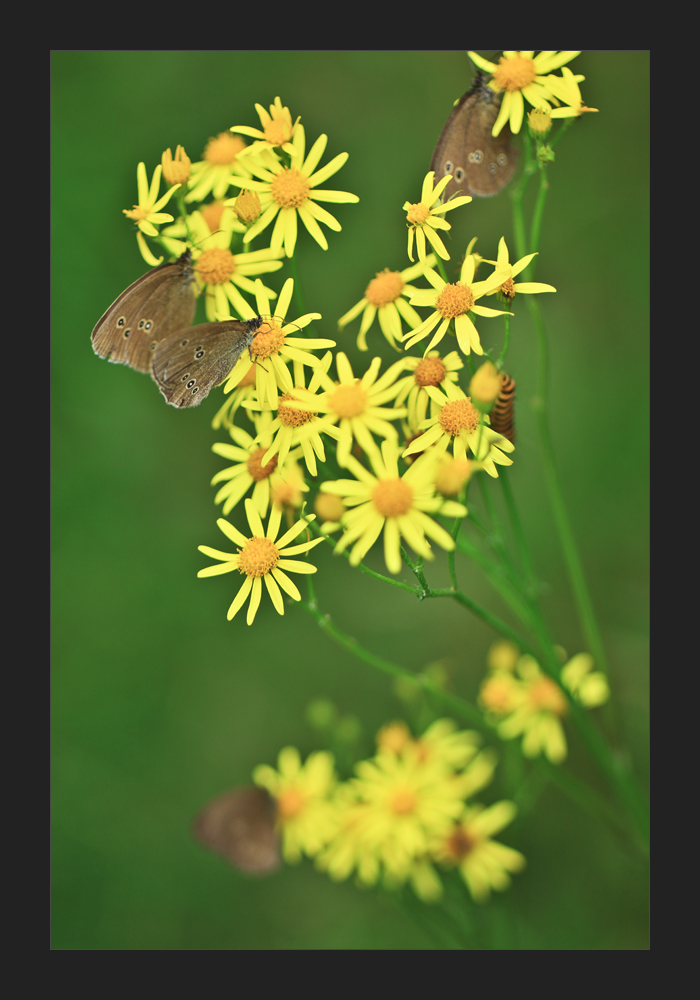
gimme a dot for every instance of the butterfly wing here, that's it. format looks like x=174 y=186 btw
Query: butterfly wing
x=189 y=363
x=240 y=826
x=480 y=164
x=159 y=302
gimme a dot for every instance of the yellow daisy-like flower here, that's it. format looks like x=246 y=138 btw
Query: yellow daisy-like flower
x=430 y=370
x=213 y=173
x=277 y=129
x=272 y=345
x=403 y=803
x=566 y=88
x=302 y=793
x=483 y=863
x=588 y=686
x=509 y=287
x=424 y=217
x=396 y=504
x=261 y=557
x=288 y=191
x=221 y=274
x=459 y=421
x=250 y=469
x=146 y=214
x=294 y=426
x=518 y=75
x=355 y=404
x=537 y=715
x=454 y=302
x=384 y=296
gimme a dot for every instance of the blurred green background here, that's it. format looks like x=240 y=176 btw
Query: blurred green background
x=159 y=703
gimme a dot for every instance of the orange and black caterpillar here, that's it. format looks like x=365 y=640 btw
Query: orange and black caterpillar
x=502 y=419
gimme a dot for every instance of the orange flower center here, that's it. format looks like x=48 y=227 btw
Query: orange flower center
x=507 y=289
x=515 y=73
x=223 y=150
x=247 y=206
x=176 y=171
x=392 y=497
x=267 y=341
x=403 y=801
x=255 y=468
x=290 y=416
x=430 y=371
x=136 y=213
x=290 y=803
x=215 y=266
x=459 y=415
x=454 y=300
x=385 y=288
x=258 y=556
x=544 y=694
x=417 y=214
x=290 y=188
x=348 y=400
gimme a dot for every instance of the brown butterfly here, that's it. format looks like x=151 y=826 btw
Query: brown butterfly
x=188 y=363
x=479 y=163
x=158 y=303
x=240 y=826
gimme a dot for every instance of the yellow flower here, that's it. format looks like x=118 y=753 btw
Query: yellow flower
x=430 y=370
x=403 y=802
x=213 y=173
x=384 y=296
x=565 y=88
x=454 y=302
x=508 y=288
x=297 y=426
x=588 y=686
x=518 y=75
x=458 y=420
x=503 y=655
x=355 y=403
x=423 y=218
x=250 y=469
x=302 y=793
x=442 y=741
x=277 y=129
x=330 y=509
x=537 y=714
x=483 y=863
x=392 y=503
x=261 y=557
x=272 y=345
x=147 y=214
x=286 y=191
x=221 y=274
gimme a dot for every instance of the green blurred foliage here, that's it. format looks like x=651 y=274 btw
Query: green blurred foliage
x=159 y=703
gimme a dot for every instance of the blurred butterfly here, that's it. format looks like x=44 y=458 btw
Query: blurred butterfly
x=240 y=826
